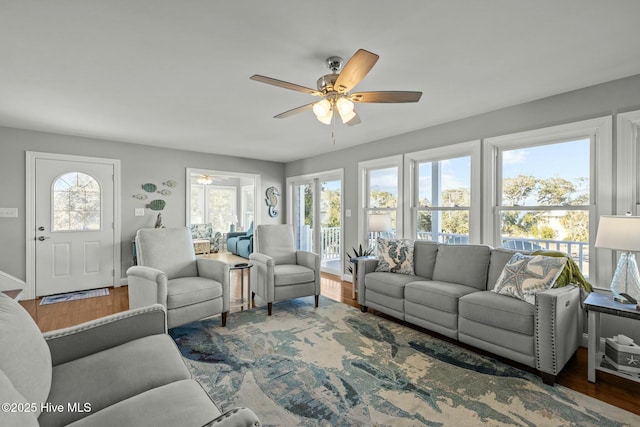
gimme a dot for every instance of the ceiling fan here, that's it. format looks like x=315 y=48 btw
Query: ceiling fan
x=334 y=89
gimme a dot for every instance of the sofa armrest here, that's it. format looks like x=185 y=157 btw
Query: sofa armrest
x=219 y=271
x=237 y=417
x=557 y=327
x=106 y=332
x=364 y=267
x=236 y=234
x=146 y=286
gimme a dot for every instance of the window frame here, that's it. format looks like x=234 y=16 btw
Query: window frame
x=470 y=149
x=600 y=131
x=364 y=170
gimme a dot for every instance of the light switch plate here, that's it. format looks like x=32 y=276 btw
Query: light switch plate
x=347 y=213
x=8 y=212
x=139 y=212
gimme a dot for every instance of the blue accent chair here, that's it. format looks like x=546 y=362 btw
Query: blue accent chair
x=241 y=242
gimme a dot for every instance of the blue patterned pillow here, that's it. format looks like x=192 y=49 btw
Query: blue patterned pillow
x=524 y=276
x=395 y=256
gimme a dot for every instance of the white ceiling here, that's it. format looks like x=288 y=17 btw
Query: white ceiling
x=176 y=73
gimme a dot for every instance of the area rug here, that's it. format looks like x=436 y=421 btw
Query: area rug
x=72 y=296
x=336 y=366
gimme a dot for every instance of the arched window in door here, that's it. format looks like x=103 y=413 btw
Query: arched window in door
x=76 y=203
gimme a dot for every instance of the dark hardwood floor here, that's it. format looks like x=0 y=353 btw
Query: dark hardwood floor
x=608 y=388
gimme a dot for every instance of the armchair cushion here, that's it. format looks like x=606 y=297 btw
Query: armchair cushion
x=290 y=274
x=176 y=259
x=277 y=242
x=191 y=290
x=113 y=375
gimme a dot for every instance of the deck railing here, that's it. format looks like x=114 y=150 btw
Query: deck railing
x=579 y=251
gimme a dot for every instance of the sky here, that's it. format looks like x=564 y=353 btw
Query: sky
x=569 y=160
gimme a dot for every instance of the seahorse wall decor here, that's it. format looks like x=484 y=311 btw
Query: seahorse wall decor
x=272 y=201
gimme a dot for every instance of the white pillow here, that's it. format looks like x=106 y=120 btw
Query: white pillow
x=524 y=276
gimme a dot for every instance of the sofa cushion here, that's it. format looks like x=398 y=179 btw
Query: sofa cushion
x=191 y=290
x=524 y=276
x=442 y=296
x=499 y=311
x=291 y=274
x=110 y=376
x=463 y=264
x=499 y=258
x=424 y=258
x=190 y=406
x=395 y=256
x=26 y=361
x=390 y=284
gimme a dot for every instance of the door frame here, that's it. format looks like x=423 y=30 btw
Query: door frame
x=30 y=212
x=314 y=179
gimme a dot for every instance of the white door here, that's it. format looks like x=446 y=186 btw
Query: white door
x=74 y=221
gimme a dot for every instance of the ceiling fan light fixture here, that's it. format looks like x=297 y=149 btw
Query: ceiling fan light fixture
x=204 y=180
x=346 y=117
x=322 y=108
x=326 y=119
x=345 y=106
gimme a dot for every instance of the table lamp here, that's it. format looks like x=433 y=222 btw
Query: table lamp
x=379 y=223
x=622 y=233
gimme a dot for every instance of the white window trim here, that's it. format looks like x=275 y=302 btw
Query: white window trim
x=601 y=129
x=363 y=193
x=470 y=148
x=627 y=175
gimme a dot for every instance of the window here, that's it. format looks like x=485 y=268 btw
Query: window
x=382 y=199
x=76 y=203
x=222 y=199
x=542 y=188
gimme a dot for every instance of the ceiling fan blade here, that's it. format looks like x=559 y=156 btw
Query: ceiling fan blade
x=294 y=111
x=354 y=121
x=355 y=70
x=386 y=96
x=286 y=85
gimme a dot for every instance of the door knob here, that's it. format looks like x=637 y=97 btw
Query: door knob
x=43 y=238
x=41 y=228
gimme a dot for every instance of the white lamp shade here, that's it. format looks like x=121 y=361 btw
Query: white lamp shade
x=321 y=108
x=619 y=232
x=344 y=105
x=379 y=223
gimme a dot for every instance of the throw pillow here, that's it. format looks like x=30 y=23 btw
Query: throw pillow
x=395 y=256
x=524 y=276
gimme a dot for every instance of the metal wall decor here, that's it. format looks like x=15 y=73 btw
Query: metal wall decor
x=272 y=201
x=157 y=205
x=149 y=188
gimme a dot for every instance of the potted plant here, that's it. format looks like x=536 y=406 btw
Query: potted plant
x=358 y=253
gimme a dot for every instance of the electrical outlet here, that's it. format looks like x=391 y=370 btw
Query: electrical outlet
x=139 y=212
x=8 y=212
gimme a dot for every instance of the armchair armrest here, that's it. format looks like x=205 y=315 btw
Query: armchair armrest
x=236 y=234
x=310 y=260
x=558 y=328
x=236 y=417
x=219 y=271
x=106 y=332
x=146 y=286
x=262 y=276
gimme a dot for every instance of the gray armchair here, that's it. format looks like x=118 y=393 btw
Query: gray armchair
x=169 y=273
x=121 y=370
x=280 y=271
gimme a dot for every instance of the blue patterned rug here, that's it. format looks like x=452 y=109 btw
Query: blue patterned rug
x=336 y=366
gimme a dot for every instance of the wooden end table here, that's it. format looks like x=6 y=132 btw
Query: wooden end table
x=596 y=304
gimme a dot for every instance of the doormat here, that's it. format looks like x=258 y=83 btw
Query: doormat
x=73 y=296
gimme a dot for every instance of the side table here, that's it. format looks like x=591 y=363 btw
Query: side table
x=603 y=303
x=242 y=267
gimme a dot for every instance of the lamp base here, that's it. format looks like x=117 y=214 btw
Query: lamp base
x=626 y=279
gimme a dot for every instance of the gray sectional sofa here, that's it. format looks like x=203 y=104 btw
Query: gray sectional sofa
x=450 y=294
x=119 y=370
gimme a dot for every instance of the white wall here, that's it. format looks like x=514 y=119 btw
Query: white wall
x=139 y=164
